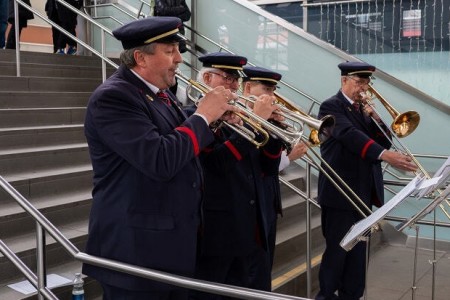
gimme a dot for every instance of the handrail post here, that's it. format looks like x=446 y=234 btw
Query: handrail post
x=40 y=260
x=103 y=40
x=17 y=35
x=308 y=231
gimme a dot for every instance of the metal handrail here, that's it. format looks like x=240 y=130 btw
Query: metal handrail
x=104 y=30
x=222 y=289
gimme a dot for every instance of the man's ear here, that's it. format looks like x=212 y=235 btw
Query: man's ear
x=207 y=78
x=139 y=58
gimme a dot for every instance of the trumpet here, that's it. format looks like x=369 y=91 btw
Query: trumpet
x=320 y=130
x=257 y=135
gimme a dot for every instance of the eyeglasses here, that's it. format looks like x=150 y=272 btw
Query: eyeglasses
x=228 y=79
x=361 y=81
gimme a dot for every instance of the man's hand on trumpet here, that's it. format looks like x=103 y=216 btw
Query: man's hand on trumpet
x=265 y=107
x=367 y=107
x=216 y=105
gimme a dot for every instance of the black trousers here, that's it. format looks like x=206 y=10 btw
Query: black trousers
x=341 y=271
x=11 y=40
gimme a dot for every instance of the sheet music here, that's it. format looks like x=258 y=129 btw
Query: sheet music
x=431 y=184
x=365 y=224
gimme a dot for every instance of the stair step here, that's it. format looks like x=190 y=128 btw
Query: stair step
x=51 y=182
x=11 y=83
x=66 y=270
x=17 y=117
x=52 y=70
x=291 y=242
x=43 y=99
x=15 y=220
x=293 y=280
x=40 y=136
x=20 y=162
x=8 y=55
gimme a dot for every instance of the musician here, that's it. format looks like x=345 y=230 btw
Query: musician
x=144 y=152
x=233 y=231
x=261 y=81
x=355 y=151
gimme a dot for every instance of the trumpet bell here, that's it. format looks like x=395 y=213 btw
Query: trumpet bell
x=323 y=129
x=404 y=124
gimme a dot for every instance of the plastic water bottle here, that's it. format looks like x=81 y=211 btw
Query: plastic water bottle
x=78 y=290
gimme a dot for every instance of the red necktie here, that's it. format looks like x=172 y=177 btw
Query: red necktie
x=163 y=96
x=356 y=105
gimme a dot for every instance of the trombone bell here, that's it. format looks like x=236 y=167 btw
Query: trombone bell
x=405 y=123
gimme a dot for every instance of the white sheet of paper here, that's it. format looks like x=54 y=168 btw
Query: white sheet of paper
x=53 y=280
x=429 y=182
x=365 y=224
x=442 y=174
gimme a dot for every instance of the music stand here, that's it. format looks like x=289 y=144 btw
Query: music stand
x=427 y=187
x=368 y=224
x=362 y=230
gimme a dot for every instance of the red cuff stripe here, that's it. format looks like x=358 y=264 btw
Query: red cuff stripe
x=191 y=134
x=366 y=146
x=233 y=150
x=272 y=156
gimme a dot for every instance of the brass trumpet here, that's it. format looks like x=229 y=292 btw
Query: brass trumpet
x=404 y=124
x=248 y=118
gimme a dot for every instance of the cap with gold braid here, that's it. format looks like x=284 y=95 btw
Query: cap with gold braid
x=227 y=62
x=263 y=75
x=356 y=68
x=149 y=30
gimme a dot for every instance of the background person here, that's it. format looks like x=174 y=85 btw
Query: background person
x=355 y=151
x=3 y=22
x=24 y=16
x=233 y=232
x=68 y=21
x=147 y=177
x=52 y=14
x=174 y=8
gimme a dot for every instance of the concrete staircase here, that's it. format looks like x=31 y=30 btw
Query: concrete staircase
x=44 y=155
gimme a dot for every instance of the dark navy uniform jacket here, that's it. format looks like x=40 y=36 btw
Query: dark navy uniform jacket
x=233 y=216
x=352 y=151
x=147 y=181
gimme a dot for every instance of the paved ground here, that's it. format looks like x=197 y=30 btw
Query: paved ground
x=391 y=274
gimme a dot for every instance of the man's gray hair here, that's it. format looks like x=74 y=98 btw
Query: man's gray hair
x=127 y=56
x=203 y=71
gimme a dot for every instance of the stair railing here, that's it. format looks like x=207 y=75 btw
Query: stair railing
x=104 y=31
x=44 y=225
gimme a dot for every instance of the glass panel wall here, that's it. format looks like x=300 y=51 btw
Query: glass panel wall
x=408 y=39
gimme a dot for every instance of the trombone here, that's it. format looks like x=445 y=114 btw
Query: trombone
x=320 y=130
x=240 y=129
x=402 y=125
